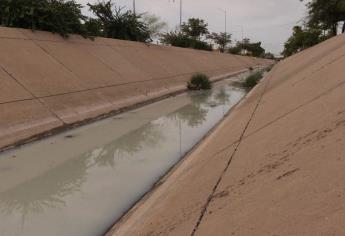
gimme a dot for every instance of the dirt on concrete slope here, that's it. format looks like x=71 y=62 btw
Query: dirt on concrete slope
x=275 y=166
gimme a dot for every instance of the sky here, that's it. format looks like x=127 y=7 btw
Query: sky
x=267 y=21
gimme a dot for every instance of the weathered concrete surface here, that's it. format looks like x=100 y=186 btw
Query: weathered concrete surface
x=275 y=166
x=48 y=82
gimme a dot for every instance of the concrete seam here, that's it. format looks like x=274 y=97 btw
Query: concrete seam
x=107 y=86
x=289 y=112
x=33 y=95
x=210 y=197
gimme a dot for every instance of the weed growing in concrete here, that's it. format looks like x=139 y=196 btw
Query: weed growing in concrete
x=199 y=81
x=252 y=80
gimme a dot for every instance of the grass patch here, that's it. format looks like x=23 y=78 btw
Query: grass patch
x=199 y=81
x=251 y=81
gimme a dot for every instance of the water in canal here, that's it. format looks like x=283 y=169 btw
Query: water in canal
x=78 y=183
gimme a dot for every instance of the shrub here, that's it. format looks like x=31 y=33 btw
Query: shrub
x=178 y=39
x=252 y=80
x=199 y=82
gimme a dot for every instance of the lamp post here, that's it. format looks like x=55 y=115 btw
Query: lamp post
x=225 y=21
x=180 y=14
x=134 y=6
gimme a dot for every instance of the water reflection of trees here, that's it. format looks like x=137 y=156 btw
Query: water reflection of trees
x=195 y=113
x=149 y=135
x=223 y=97
x=50 y=189
x=45 y=191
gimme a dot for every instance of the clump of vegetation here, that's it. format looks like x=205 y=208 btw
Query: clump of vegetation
x=65 y=17
x=57 y=16
x=199 y=81
x=321 y=23
x=252 y=80
x=190 y=35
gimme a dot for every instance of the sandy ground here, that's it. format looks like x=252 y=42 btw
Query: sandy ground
x=275 y=166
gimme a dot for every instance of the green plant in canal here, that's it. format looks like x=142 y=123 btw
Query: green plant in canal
x=252 y=80
x=199 y=81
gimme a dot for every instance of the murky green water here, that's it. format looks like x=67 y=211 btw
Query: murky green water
x=79 y=182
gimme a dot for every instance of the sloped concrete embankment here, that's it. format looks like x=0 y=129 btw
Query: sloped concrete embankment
x=49 y=82
x=275 y=166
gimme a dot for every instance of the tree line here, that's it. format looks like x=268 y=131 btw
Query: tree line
x=195 y=34
x=65 y=17
x=321 y=23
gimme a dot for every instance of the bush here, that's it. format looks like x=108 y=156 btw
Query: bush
x=199 y=82
x=252 y=80
x=179 y=39
x=57 y=16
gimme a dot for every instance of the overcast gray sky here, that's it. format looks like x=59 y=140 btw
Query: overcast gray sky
x=269 y=21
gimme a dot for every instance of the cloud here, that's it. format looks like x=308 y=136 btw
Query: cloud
x=268 y=21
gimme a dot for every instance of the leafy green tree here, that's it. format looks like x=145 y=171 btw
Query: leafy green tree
x=221 y=39
x=254 y=49
x=189 y=36
x=119 y=24
x=325 y=14
x=179 y=39
x=237 y=49
x=302 y=39
x=57 y=16
x=195 y=28
x=248 y=48
x=93 y=27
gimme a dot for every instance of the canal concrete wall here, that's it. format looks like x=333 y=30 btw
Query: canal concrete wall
x=48 y=82
x=274 y=166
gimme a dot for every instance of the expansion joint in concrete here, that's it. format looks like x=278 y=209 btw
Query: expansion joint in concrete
x=32 y=94
x=210 y=197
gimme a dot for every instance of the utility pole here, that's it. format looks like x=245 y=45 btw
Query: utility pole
x=225 y=16
x=180 y=14
x=134 y=6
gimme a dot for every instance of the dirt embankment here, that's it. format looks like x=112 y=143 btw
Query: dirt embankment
x=48 y=82
x=275 y=166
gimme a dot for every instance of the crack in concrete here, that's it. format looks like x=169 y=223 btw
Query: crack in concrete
x=211 y=196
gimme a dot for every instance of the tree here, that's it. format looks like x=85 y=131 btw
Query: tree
x=93 y=27
x=302 y=39
x=253 y=49
x=189 y=36
x=221 y=39
x=57 y=16
x=154 y=23
x=325 y=14
x=236 y=49
x=119 y=24
x=179 y=39
x=195 y=28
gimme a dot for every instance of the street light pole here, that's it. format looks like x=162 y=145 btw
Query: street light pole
x=180 y=14
x=225 y=16
x=134 y=6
